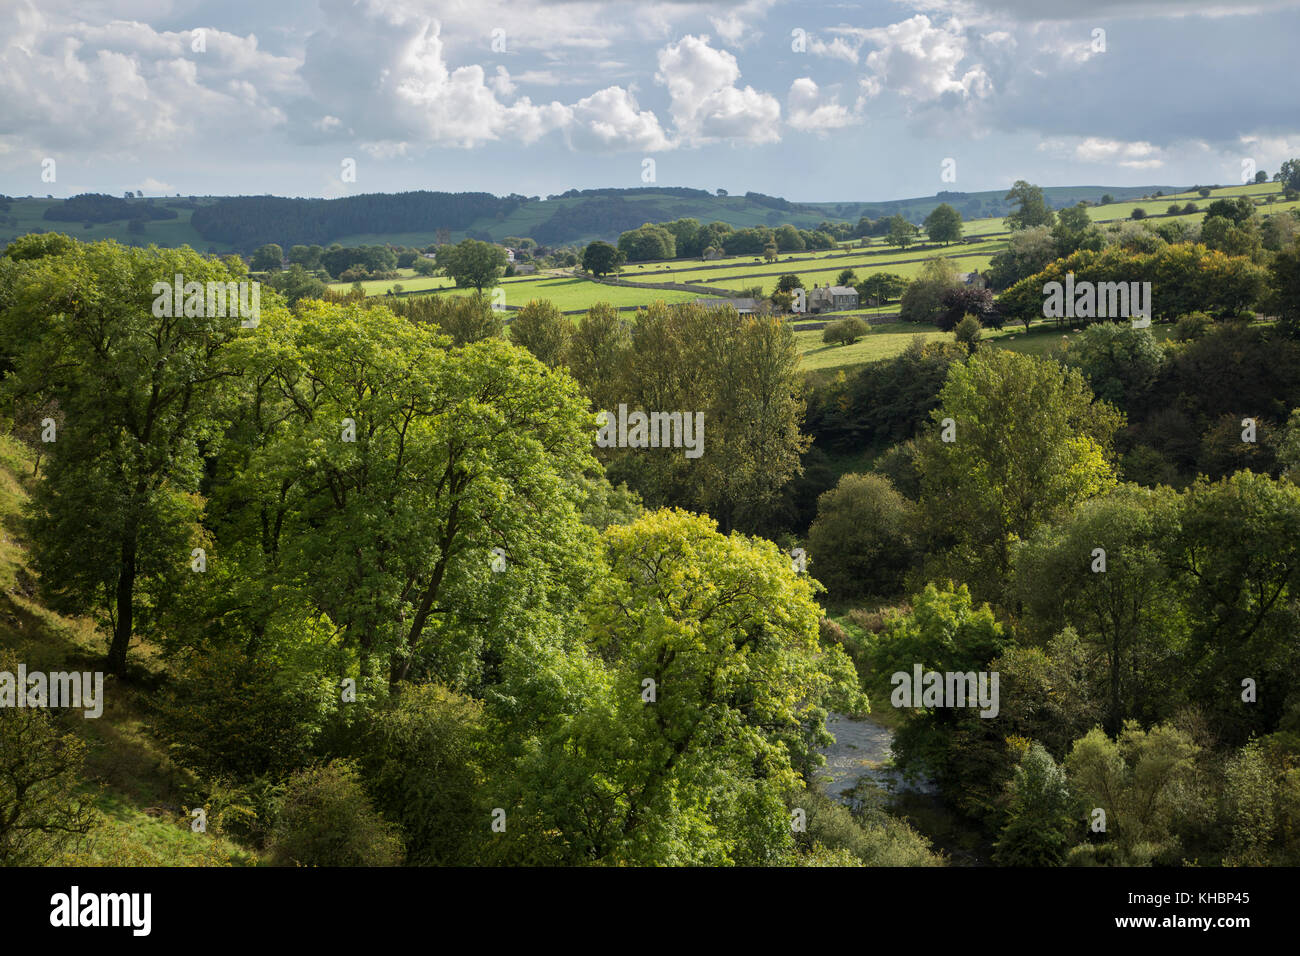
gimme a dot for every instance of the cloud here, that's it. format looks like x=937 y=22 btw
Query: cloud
x=706 y=104
x=922 y=62
x=807 y=110
x=1095 y=149
x=610 y=120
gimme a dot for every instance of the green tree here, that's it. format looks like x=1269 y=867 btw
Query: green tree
x=540 y=328
x=267 y=258
x=1028 y=439
x=845 y=331
x=862 y=540
x=116 y=518
x=471 y=263
x=387 y=484
x=600 y=258
x=41 y=809
x=1042 y=818
x=1142 y=780
x=1031 y=208
x=713 y=694
x=943 y=224
x=1102 y=571
x=327 y=820
x=901 y=232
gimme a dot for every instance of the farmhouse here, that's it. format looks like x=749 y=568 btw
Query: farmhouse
x=743 y=306
x=832 y=298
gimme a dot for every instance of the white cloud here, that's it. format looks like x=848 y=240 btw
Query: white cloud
x=922 y=62
x=152 y=186
x=807 y=110
x=706 y=104
x=610 y=120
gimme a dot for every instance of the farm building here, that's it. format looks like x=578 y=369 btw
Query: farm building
x=832 y=298
x=743 y=306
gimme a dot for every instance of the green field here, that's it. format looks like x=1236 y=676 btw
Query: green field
x=571 y=293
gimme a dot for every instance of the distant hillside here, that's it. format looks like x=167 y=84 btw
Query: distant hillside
x=242 y=223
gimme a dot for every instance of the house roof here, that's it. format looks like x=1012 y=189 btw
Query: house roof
x=843 y=290
x=740 y=305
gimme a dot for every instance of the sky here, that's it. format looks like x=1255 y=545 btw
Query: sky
x=813 y=101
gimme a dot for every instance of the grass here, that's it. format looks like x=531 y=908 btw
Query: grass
x=572 y=293
x=127 y=770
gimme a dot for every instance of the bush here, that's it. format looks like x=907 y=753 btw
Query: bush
x=1192 y=326
x=968 y=333
x=846 y=331
x=1138 y=213
x=326 y=820
x=227 y=714
x=420 y=755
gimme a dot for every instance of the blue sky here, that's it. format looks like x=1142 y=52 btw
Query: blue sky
x=811 y=101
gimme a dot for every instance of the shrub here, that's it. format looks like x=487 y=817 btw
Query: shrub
x=226 y=713
x=1138 y=213
x=420 y=753
x=1192 y=326
x=326 y=820
x=968 y=333
x=846 y=331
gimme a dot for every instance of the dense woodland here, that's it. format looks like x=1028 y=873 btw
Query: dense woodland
x=436 y=625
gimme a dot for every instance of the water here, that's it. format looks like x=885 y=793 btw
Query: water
x=861 y=749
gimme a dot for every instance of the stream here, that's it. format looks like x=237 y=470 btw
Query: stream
x=861 y=749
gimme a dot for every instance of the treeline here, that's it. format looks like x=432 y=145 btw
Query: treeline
x=250 y=221
x=99 y=208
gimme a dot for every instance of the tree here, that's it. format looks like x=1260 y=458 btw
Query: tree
x=861 y=542
x=1289 y=174
x=963 y=300
x=387 y=483
x=1120 y=362
x=425 y=267
x=1236 y=210
x=296 y=283
x=879 y=287
x=740 y=373
x=1031 y=208
x=600 y=258
x=540 y=328
x=116 y=517
x=846 y=331
x=267 y=258
x=1028 y=251
x=598 y=353
x=1143 y=781
x=846 y=277
x=646 y=243
x=923 y=299
x=788 y=283
x=1121 y=600
x=41 y=810
x=712 y=692
x=901 y=232
x=1042 y=816
x=967 y=332
x=472 y=263
x=1029 y=440
x=769 y=252
x=1284 y=288
x=943 y=224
